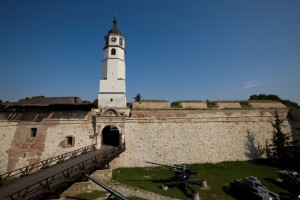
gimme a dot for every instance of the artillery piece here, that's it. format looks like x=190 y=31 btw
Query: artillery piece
x=182 y=177
x=114 y=195
x=250 y=188
x=291 y=181
x=292 y=178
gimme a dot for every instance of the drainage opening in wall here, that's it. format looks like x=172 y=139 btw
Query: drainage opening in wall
x=111 y=136
x=33 y=132
x=70 y=140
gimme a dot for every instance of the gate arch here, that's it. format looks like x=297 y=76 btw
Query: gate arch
x=111 y=136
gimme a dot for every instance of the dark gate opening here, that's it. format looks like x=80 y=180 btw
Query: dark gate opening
x=111 y=136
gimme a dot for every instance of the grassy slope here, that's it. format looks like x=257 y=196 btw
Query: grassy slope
x=216 y=175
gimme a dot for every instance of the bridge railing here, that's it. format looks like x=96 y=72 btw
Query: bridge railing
x=24 y=171
x=52 y=183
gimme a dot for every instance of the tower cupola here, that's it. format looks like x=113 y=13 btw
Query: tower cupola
x=114 y=36
x=115 y=29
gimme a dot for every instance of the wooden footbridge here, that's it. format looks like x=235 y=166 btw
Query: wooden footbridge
x=50 y=177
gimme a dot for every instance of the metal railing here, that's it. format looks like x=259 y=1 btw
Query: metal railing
x=49 y=185
x=24 y=171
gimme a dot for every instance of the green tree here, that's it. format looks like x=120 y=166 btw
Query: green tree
x=138 y=97
x=265 y=97
x=281 y=148
x=86 y=101
x=286 y=102
x=95 y=102
x=1 y=101
x=33 y=97
x=290 y=104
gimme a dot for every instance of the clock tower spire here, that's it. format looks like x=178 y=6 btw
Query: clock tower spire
x=112 y=90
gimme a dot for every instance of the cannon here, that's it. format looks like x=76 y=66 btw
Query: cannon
x=113 y=194
x=292 y=178
x=250 y=188
x=182 y=177
x=290 y=181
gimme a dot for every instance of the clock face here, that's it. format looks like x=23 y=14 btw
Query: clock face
x=113 y=39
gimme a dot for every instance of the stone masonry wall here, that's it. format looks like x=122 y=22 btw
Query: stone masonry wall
x=198 y=105
x=196 y=136
x=165 y=135
x=19 y=148
x=150 y=105
x=229 y=104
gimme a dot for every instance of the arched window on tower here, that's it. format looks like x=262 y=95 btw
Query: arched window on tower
x=121 y=42
x=113 y=52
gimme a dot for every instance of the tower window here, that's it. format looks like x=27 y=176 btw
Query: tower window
x=113 y=52
x=121 y=42
x=33 y=132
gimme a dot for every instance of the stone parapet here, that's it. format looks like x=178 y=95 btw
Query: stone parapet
x=228 y=104
x=193 y=105
x=266 y=104
x=151 y=105
x=203 y=114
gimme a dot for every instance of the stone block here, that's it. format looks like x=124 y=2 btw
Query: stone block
x=193 y=105
x=151 y=105
x=229 y=104
x=266 y=104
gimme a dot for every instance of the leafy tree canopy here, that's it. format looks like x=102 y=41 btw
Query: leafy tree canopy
x=86 y=101
x=282 y=147
x=95 y=102
x=30 y=98
x=286 y=102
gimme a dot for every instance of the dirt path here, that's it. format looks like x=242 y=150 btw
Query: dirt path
x=130 y=192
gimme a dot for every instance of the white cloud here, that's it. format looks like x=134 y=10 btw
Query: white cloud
x=250 y=84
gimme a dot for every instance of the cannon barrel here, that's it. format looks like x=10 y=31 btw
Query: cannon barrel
x=177 y=167
x=153 y=163
x=112 y=192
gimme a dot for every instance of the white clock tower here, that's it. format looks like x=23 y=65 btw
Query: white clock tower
x=112 y=92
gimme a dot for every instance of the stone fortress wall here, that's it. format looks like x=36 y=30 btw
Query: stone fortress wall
x=19 y=148
x=158 y=134
x=197 y=136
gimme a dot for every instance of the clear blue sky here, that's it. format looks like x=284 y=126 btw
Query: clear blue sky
x=176 y=50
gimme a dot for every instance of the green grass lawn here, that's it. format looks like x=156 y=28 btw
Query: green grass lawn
x=97 y=194
x=217 y=176
x=92 y=195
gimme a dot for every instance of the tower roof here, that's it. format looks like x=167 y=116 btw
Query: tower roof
x=115 y=29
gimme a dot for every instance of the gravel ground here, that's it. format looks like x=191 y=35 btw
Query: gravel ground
x=130 y=192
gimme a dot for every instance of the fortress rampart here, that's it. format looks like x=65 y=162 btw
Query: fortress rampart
x=19 y=146
x=160 y=134
x=197 y=136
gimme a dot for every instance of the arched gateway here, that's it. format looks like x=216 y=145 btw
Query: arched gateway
x=111 y=136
